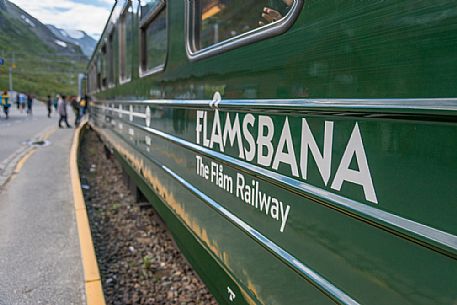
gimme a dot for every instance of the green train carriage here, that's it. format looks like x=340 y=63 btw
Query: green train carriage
x=301 y=152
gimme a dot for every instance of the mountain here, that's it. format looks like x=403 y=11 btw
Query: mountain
x=17 y=17
x=80 y=38
x=45 y=63
x=2 y=4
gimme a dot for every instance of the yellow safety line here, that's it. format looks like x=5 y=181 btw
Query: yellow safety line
x=20 y=164
x=92 y=280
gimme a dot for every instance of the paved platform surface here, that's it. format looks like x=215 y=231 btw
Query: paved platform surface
x=40 y=261
x=21 y=127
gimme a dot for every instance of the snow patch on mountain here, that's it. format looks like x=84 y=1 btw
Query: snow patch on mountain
x=61 y=43
x=80 y=38
x=28 y=21
x=25 y=30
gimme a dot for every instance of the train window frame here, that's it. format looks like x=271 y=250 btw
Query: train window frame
x=90 y=76
x=145 y=22
x=103 y=59
x=122 y=57
x=110 y=54
x=94 y=78
x=246 y=38
x=98 y=72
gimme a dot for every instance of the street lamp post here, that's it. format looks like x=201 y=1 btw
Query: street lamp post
x=2 y=61
x=12 y=66
x=11 y=78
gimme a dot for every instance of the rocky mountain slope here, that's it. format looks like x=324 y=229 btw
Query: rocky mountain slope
x=44 y=62
x=80 y=38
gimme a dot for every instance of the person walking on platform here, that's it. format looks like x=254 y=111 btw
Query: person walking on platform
x=29 y=104
x=75 y=106
x=49 y=106
x=56 y=102
x=22 y=101
x=83 y=106
x=62 y=109
x=5 y=103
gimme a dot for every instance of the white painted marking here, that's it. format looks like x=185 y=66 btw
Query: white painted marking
x=232 y=295
x=148 y=116
x=131 y=113
x=217 y=98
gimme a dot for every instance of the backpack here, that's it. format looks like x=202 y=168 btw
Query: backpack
x=5 y=101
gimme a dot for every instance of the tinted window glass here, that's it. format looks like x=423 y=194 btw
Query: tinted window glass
x=110 y=61
x=99 y=71
x=104 y=66
x=219 y=20
x=126 y=42
x=155 y=42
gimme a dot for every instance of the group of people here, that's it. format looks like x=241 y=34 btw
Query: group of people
x=22 y=101
x=61 y=104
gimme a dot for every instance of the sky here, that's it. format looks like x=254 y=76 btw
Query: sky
x=89 y=16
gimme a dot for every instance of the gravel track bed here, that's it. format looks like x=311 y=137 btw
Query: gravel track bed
x=138 y=260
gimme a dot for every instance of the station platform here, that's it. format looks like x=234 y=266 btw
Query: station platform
x=40 y=255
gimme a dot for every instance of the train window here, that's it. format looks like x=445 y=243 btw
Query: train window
x=125 y=45
x=219 y=25
x=98 y=67
x=104 y=66
x=154 y=38
x=94 y=78
x=92 y=85
x=110 y=60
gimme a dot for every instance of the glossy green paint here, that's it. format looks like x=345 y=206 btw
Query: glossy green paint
x=194 y=251
x=351 y=251
x=335 y=49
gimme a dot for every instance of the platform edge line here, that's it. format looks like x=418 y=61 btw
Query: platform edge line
x=92 y=280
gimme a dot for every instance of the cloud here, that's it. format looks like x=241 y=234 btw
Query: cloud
x=103 y=3
x=89 y=16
